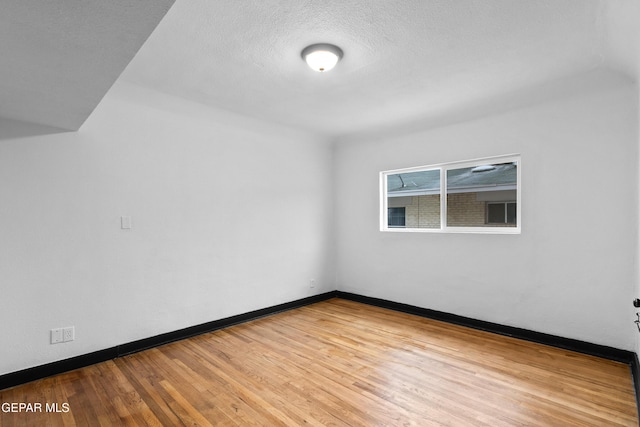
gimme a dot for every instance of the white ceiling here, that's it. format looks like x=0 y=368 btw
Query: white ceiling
x=405 y=61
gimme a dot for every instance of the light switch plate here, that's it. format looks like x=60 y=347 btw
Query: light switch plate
x=56 y=336
x=125 y=222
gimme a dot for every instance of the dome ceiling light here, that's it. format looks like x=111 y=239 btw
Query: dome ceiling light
x=322 y=56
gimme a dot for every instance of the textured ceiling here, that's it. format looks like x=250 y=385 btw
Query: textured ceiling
x=60 y=57
x=404 y=61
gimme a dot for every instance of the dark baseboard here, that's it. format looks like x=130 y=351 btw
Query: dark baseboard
x=31 y=374
x=538 y=337
x=144 y=344
x=635 y=374
x=24 y=376
x=38 y=372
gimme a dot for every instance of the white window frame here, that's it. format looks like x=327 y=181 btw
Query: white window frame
x=444 y=167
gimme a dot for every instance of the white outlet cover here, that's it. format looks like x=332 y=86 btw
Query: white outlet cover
x=68 y=334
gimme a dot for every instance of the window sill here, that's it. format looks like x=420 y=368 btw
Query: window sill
x=457 y=230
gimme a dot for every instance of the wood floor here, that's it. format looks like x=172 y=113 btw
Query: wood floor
x=338 y=363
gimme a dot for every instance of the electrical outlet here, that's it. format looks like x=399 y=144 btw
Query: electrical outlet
x=68 y=334
x=56 y=335
x=312 y=284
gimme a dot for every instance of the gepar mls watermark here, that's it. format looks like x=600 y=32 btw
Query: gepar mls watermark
x=27 y=407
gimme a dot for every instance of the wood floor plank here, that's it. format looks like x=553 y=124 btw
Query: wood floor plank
x=338 y=363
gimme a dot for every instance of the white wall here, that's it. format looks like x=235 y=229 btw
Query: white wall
x=637 y=263
x=229 y=216
x=636 y=332
x=572 y=270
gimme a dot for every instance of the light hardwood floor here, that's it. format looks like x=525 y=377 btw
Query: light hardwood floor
x=339 y=363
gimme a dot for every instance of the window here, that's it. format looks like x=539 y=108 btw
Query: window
x=397 y=217
x=418 y=194
x=471 y=196
x=501 y=213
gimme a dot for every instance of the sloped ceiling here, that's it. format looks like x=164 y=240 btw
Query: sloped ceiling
x=404 y=60
x=59 y=58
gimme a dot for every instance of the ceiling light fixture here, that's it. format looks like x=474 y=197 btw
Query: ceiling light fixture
x=322 y=56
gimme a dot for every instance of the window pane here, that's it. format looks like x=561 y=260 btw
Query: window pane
x=511 y=213
x=396 y=217
x=495 y=213
x=418 y=193
x=470 y=189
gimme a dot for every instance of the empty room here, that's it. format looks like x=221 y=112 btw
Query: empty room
x=346 y=213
